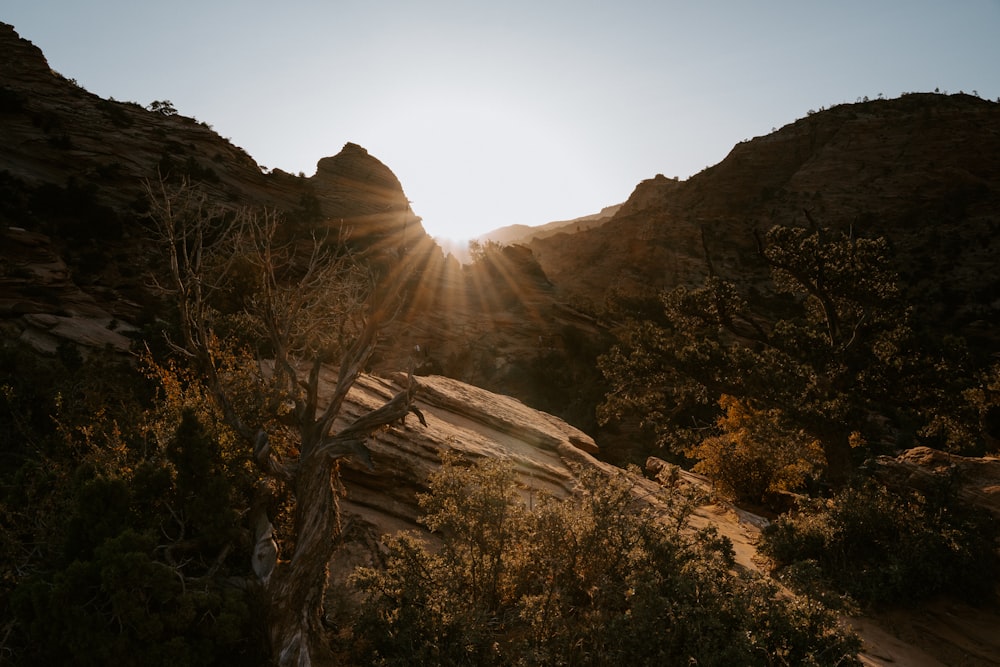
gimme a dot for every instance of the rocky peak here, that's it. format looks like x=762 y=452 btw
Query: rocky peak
x=353 y=176
x=22 y=60
x=651 y=193
x=358 y=193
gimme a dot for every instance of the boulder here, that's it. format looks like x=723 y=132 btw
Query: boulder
x=977 y=479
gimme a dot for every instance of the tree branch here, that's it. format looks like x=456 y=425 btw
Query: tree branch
x=350 y=440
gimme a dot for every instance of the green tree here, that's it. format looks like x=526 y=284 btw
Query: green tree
x=757 y=454
x=598 y=578
x=832 y=356
x=165 y=107
x=885 y=546
x=143 y=573
x=485 y=251
x=964 y=416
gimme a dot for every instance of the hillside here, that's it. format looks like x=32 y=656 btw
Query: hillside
x=505 y=350
x=523 y=234
x=922 y=170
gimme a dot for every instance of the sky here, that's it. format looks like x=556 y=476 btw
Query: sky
x=513 y=112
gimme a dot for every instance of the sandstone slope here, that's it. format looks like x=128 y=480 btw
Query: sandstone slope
x=548 y=453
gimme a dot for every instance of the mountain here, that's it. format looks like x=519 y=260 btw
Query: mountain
x=922 y=170
x=519 y=234
x=528 y=321
x=522 y=234
x=74 y=169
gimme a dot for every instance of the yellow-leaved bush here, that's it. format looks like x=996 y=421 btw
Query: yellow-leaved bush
x=756 y=453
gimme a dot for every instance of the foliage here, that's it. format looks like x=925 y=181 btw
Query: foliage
x=115 y=546
x=967 y=417
x=484 y=251
x=836 y=356
x=164 y=107
x=757 y=453
x=883 y=546
x=261 y=311
x=597 y=578
x=116 y=112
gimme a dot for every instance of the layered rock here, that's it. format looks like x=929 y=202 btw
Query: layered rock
x=976 y=480
x=548 y=456
x=362 y=197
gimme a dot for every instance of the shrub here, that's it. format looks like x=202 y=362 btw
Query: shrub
x=145 y=572
x=598 y=578
x=882 y=546
x=757 y=453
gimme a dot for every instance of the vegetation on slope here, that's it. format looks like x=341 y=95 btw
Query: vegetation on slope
x=595 y=579
x=772 y=388
x=882 y=546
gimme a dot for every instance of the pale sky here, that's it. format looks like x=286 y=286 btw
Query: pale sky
x=503 y=112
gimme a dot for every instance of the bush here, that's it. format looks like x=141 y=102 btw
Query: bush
x=757 y=453
x=881 y=546
x=595 y=579
x=143 y=574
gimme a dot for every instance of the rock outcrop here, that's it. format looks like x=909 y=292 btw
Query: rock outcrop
x=363 y=199
x=547 y=453
x=976 y=480
x=921 y=170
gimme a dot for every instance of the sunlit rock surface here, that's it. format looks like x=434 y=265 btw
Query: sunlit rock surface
x=547 y=453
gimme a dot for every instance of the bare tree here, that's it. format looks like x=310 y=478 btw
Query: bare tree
x=306 y=302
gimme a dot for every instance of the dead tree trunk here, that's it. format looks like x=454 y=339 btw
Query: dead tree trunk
x=296 y=589
x=296 y=592
x=310 y=303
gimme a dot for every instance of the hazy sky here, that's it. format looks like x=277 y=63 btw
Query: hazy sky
x=501 y=112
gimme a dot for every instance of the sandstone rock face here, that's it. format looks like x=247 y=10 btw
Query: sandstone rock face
x=977 y=478
x=471 y=421
x=352 y=182
x=42 y=304
x=547 y=453
x=361 y=197
x=58 y=133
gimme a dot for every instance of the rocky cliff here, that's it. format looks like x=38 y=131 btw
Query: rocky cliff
x=73 y=169
x=922 y=170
